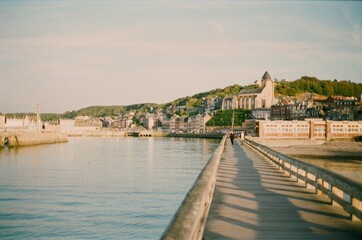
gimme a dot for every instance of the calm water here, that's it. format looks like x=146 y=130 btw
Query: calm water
x=97 y=188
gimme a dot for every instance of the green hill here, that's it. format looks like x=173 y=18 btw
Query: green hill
x=190 y=101
x=304 y=84
x=104 y=111
x=323 y=87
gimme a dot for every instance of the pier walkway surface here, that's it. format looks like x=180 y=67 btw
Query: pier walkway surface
x=255 y=200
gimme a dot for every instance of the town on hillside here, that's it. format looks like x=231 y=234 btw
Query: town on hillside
x=264 y=115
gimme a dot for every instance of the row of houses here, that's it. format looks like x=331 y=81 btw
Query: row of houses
x=150 y=121
x=159 y=121
x=193 y=124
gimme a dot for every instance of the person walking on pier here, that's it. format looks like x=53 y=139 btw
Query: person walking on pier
x=232 y=136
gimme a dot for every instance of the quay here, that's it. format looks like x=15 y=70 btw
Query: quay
x=267 y=195
x=22 y=138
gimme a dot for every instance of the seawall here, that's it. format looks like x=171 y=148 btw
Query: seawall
x=97 y=134
x=197 y=135
x=23 y=139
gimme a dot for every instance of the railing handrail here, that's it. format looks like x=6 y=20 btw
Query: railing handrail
x=189 y=220
x=348 y=186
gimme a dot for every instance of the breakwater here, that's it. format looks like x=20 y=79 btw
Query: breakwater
x=97 y=134
x=22 y=139
x=197 y=135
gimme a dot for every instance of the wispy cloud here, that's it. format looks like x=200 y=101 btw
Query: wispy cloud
x=130 y=47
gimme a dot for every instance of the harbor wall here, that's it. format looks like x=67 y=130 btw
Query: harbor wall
x=96 y=134
x=22 y=139
x=197 y=135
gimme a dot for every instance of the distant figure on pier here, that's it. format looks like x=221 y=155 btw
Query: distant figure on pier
x=232 y=136
x=242 y=135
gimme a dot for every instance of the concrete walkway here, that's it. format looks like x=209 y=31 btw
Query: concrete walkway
x=254 y=200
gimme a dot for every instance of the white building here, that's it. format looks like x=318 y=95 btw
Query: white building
x=261 y=113
x=150 y=121
x=67 y=125
x=20 y=123
x=262 y=97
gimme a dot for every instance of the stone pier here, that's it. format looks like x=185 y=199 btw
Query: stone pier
x=21 y=139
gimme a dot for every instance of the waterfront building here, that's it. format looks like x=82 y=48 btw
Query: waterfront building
x=197 y=124
x=160 y=114
x=117 y=124
x=165 y=124
x=21 y=123
x=86 y=121
x=80 y=124
x=309 y=129
x=183 y=124
x=67 y=125
x=175 y=123
x=150 y=121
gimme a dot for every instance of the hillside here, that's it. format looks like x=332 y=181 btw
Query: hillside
x=294 y=88
x=323 y=87
x=190 y=101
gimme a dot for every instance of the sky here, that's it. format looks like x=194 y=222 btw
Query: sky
x=67 y=55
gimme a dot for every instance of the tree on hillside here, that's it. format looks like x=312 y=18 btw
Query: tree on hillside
x=224 y=117
x=314 y=85
x=69 y=115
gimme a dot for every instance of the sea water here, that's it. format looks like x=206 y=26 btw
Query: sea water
x=97 y=188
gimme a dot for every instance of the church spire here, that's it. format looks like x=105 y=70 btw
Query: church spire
x=266 y=76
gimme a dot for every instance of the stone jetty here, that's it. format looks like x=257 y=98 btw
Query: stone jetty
x=21 y=139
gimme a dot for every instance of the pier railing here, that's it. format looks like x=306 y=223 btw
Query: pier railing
x=342 y=191
x=189 y=220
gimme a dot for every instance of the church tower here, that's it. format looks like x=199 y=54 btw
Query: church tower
x=268 y=91
x=266 y=78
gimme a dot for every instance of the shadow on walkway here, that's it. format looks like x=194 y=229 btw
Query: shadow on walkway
x=254 y=200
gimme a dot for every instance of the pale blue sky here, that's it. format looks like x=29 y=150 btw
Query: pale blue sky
x=73 y=54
